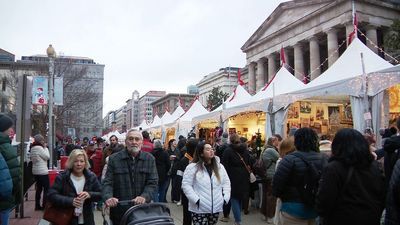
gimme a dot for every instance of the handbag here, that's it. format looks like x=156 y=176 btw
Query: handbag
x=252 y=177
x=58 y=215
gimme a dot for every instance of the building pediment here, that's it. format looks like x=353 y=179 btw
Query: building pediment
x=284 y=16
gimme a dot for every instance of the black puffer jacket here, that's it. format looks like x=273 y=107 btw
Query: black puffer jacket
x=237 y=172
x=360 y=202
x=391 y=155
x=290 y=175
x=63 y=192
x=162 y=163
x=393 y=197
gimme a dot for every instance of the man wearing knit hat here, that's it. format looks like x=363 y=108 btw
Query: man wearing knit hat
x=11 y=158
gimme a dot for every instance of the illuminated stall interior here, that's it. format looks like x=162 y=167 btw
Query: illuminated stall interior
x=206 y=130
x=325 y=115
x=170 y=134
x=394 y=103
x=247 y=124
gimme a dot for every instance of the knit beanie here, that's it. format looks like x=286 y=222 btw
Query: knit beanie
x=5 y=122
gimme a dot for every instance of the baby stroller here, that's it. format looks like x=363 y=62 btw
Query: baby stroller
x=146 y=214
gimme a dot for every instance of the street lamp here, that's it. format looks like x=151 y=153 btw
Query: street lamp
x=51 y=53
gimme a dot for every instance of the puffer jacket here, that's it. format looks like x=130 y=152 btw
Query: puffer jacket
x=198 y=185
x=39 y=157
x=290 y=174
x=269 y=158
x=11 y=158
x=63 y=192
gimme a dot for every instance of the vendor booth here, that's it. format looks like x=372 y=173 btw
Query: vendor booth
x=184 y=124
x=344 y=78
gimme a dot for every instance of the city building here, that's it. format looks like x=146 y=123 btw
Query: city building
x=108 y=121
x=224 y=78
x=120 y=119
x=132 y=111
x=170 y=102
x=81 y=112
x=313 y=34
x=193 y=90
x=144 y=105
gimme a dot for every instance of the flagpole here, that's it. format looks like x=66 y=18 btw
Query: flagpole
x=353 y=10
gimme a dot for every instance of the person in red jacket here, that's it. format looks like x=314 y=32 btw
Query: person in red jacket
x=147 y=144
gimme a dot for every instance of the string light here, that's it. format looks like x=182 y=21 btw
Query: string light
x=377 y=47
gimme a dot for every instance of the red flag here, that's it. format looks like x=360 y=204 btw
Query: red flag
x=306 y=79
x=353 y=34
x=266 y=86
x=166 y=106
x=239 y=77
x=283 y=60
x=181 y=103
x=234 y=95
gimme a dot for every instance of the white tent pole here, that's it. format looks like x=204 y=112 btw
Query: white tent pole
x=367 y=115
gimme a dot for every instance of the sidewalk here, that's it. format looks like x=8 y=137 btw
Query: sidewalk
x=31 y=217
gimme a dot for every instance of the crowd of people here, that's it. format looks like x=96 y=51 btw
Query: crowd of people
x=300 y=179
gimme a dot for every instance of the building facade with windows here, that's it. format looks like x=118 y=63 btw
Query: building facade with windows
x=170 y=102
x=313 y=34
x=144 y=105
x=224 y=78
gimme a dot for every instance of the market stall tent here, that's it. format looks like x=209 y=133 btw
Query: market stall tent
x=184 y=123
x=343 y=78
x=239 y=97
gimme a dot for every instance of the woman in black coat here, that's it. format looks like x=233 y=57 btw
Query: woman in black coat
x=163 y=164
x=237 y=172
x=352 y=189
x=76 y=187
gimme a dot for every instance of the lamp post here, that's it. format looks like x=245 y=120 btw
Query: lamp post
x=52 y=55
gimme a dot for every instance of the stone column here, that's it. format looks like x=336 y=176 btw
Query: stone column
x=333 y=51
x=298 y=61
x=271 y=66
x=260 y=74
x=314 y=58
x=349 y=29
x=252 y=78
x=372 y=36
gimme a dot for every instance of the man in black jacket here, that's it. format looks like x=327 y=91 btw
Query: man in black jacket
x=392 y=153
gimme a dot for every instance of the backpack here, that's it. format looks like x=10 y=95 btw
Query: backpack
x=6 y=184
x=309 y=188
x=259 y=168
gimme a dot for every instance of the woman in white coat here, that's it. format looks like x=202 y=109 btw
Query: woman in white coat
x=206 y=184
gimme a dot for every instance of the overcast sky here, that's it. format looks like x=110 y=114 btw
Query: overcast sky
x=144 y=45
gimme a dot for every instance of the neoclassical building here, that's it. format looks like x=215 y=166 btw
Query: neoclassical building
x=313 y=34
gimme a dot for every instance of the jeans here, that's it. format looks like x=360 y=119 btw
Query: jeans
x=236 y=205
x=162 y=191
x=5 y=216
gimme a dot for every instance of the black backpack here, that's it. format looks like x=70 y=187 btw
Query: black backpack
x=309 y=188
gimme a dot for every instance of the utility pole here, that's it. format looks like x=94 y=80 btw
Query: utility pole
x=52 y=55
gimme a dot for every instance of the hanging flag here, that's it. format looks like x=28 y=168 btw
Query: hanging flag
x=234 y=94
x=283 y=60
x=306 y=79
x=166 y=106
x=266 y=86
x=239 y=77
x=353 y=34
x=181 y=103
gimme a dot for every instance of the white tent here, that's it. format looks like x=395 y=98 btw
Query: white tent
x=239 y=97
x=184 y=123
x=343 y=78
x=143 y=125
x=175 y=115
x=156 y=122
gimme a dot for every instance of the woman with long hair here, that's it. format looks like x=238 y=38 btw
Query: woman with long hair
x=352 y=189
x=76 y=187
x=206 y=184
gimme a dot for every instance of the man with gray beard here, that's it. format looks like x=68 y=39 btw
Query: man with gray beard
x=131 y=175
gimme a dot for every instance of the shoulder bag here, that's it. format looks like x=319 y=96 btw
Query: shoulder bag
x=252 y=176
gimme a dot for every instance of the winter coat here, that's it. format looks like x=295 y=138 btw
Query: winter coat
x=63 y=192
x=209 y=191
x=361 y=202
x=11 y=158
x=237 y=172
x=147 y=146
x=290 y=174
x=39 y=157
x=97 y=163
x=391 y=155
x=269 y=158
x=393 y=197
x=162 y=163
x=118 y=184
x=6 y=184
